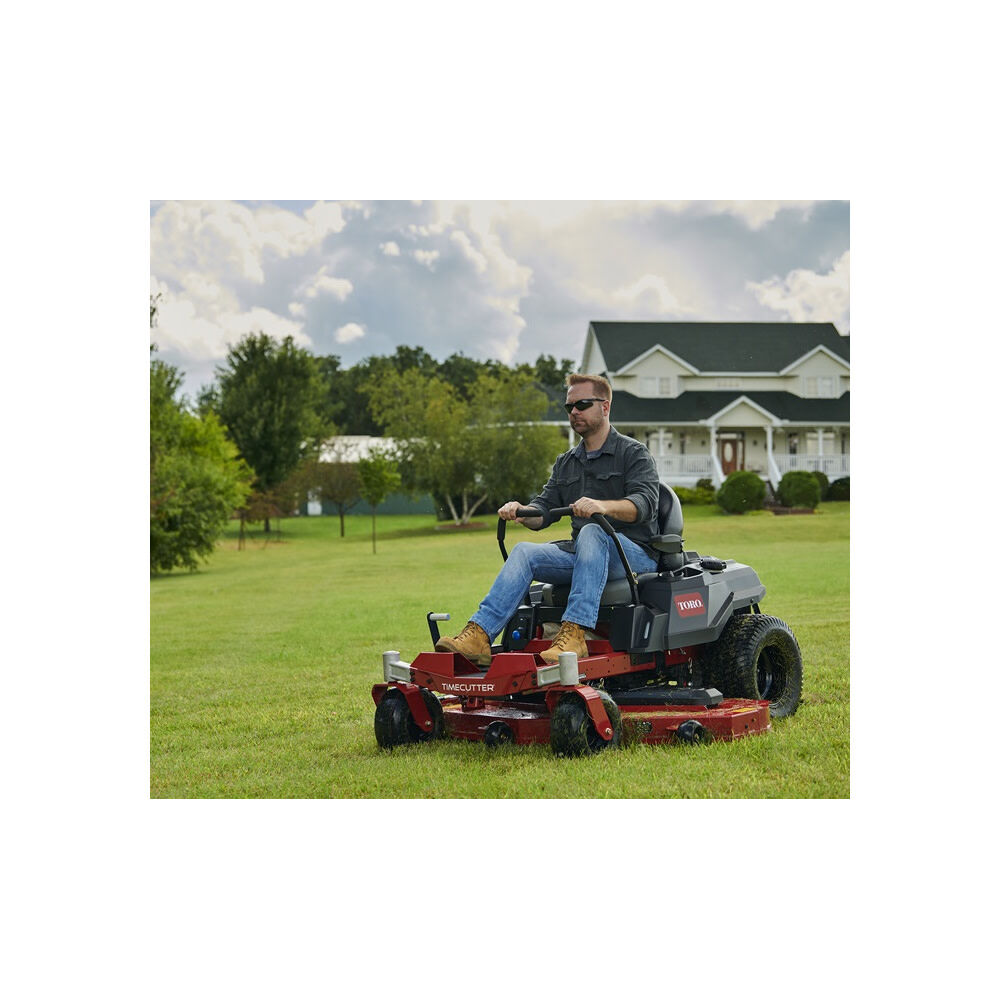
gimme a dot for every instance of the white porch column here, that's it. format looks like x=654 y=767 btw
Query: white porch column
x=769 y=433
x=661 y=442
x=819 y=441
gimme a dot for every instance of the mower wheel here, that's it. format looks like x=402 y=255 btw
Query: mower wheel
x=498 y=734
x=572 y=733
x=692 y=731
x=394 y=723
x=757 y=657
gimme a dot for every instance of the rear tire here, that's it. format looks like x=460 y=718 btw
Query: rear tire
x=757 y=657
x=394 y=722
x=572 y=732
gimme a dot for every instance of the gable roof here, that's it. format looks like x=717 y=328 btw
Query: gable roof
x=719 y=347
x=690 y=407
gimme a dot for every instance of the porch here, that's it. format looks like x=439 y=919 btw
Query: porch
x=685 y=454
x=686 y=470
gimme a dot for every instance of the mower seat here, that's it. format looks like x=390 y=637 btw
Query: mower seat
x=668 y=543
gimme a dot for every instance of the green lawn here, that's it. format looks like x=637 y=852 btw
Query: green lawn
x=261 y=667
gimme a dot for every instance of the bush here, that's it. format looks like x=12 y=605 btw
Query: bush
x=840 y=489
x=799 y=489
x=695 y=496
x=824 y=483
x=743 y=490
x=705 y=484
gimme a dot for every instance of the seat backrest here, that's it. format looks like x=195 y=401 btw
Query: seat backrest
x=670 y=518
x=669 y=521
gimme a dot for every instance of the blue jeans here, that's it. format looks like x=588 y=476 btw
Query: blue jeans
x=595 y=562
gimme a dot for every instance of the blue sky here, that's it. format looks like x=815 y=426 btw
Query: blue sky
x=505 y=280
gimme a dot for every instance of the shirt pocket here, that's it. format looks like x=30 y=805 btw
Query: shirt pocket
x=609 y=486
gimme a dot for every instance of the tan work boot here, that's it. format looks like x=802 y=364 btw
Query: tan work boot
x=571 y=638
x=472 y=643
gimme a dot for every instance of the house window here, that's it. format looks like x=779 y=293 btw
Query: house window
x=653 y=386
x=729 y=383
x=793 y=444
x=821 y=386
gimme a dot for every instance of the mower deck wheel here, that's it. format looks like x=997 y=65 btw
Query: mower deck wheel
x=572 y=732
x=692 y=731
x=394 y=723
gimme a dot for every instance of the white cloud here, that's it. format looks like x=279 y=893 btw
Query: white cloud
x=649 y=293
x=225 y=239
x=206 y=336
x=297 y=309
x=390 y=249
x=807 y=297
x=462 y=241
x=349 y=332
x=339 y=288
x=427 y=257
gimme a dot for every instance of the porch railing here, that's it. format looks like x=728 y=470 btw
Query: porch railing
x=833 y=466
x=701 y=466
x=684 y=465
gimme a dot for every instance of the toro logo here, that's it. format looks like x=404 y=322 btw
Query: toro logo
x=689 y=604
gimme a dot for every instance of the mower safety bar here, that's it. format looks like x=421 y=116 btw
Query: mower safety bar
x=554 y=515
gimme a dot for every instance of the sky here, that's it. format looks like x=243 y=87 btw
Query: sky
x=491 y=279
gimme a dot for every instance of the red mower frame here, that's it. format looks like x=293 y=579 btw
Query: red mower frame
x=522 y=699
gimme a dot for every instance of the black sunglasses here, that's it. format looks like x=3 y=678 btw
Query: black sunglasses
x=582 y=404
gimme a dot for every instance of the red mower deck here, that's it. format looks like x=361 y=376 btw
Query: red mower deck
x=520 y=690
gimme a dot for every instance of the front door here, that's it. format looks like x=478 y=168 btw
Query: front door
x=731 y=453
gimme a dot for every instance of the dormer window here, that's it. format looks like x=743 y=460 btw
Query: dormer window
x=656 y=386
x=821 y=386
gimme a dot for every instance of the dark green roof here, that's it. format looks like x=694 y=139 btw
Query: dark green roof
x=700 y=405
x=719 y=347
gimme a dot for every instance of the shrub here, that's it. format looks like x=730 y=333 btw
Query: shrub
x=705 y=484
x=695 y=496
x=824 y=483
x=743 y=490
x=840 y=489
x=799 y=489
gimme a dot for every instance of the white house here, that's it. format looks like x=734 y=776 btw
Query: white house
x=709 y=398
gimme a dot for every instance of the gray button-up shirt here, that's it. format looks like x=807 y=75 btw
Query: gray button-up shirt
x=623 y=470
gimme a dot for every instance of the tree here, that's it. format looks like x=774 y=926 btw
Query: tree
x=552 y=374
x=336 y=482
x=269 y=397
x=468 y=451
x=196 y=480
x=379 y=477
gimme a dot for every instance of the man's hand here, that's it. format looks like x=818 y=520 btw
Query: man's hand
x=585 y=507
x=620 y=510
x=509 y=513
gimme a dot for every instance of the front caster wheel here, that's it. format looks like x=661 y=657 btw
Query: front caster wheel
x=394 y=722
x=572 y=732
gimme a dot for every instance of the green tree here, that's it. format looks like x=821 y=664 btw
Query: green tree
x=379 y=476
x=467 y=450
x=334 y=481
x=551 y=373
x=196 y=480
x=269 y=396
